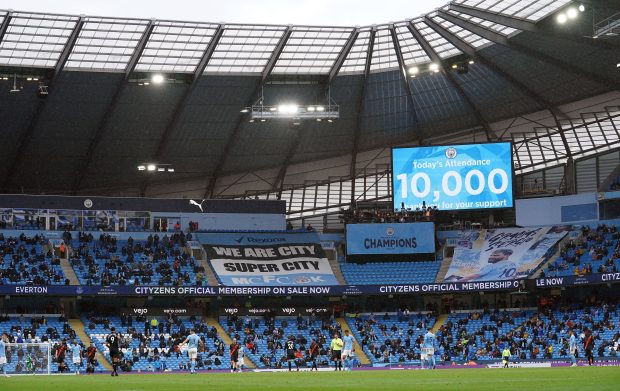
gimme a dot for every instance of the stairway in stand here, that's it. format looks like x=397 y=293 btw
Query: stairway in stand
x=359 y=352
x=227 y=340
x=80 y=331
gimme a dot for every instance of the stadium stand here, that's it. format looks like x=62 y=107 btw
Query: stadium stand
x=479 y=335
x=545 y=333
x=598 y=251
x=152 y=344
x=54 y=330
x=264 y=337
x=131 y=262
x=390 y=272
x=28 y=260
x=391 y=338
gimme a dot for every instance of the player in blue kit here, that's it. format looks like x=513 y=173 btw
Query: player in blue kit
x=347 y=350
x=572 y=348
x=3 y=341
x=428 y=348
x=76 y=354
x=193 y=341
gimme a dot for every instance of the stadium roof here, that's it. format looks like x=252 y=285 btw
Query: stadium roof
x=103 y=117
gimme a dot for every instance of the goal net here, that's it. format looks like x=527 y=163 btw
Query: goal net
x=28 y=359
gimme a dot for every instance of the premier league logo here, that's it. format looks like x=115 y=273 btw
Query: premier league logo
x=389 y=231
x=451 y=153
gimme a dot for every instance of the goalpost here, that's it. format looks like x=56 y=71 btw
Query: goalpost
x=28 y=359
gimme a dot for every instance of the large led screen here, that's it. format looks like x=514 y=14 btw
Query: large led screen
x=453 y=177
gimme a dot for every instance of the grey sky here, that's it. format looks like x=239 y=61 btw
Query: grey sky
x=313 y=12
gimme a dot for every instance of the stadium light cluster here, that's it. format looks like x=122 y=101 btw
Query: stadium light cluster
x=293 y=111
x=570 y=14
x=152 y=167
x=460 y=67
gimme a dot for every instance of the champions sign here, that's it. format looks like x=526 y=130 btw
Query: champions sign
x=504 y=254
x=274 y=265
x=396 y=238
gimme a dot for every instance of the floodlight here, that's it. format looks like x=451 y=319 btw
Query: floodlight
x=414 y=70
x=572 y=13
x=310 y=108
x=433 y=67
x=141 y=168
x=287 y=109
x=146 y=83
x=320 y=108
x=471 y=62
x=244 y=111
x=454 y=66
x=161 y=169
x=171 y=170
x=273 y=108
x=157 y=78
x=151 y=167
x=561 y=18
x=582 y=7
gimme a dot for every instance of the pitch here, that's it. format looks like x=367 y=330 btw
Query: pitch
x=548 y=379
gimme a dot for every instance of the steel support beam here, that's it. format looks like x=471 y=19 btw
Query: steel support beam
x=26 y=136
x=502 y=40
x=66 y=51
x=358 y=125
x=276 y=54
x=233 y=136
x=515 y=23
x=432 y=54
x=525 y=25
x=137 y=53
x=5 y=24
x=107 y=115
x=404 y=79
x=178 y=110
x=342 y=56
x=488 y=62
x=278 y=183
x=208 y=53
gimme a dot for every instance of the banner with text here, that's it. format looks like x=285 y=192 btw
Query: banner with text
x=303 y=290
x=275 y=265
x=397 y=238
x=503 y=254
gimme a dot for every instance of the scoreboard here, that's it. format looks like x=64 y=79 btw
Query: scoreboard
x=453 y=177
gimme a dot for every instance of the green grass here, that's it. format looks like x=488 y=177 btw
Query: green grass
x=547 y=379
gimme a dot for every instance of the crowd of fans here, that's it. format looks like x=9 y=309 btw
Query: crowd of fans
x=378 y=215
x=264 y=338
x=25 y=260
x=482 y=335
x=156 y=260
x=599 y=246
x=153 y=344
